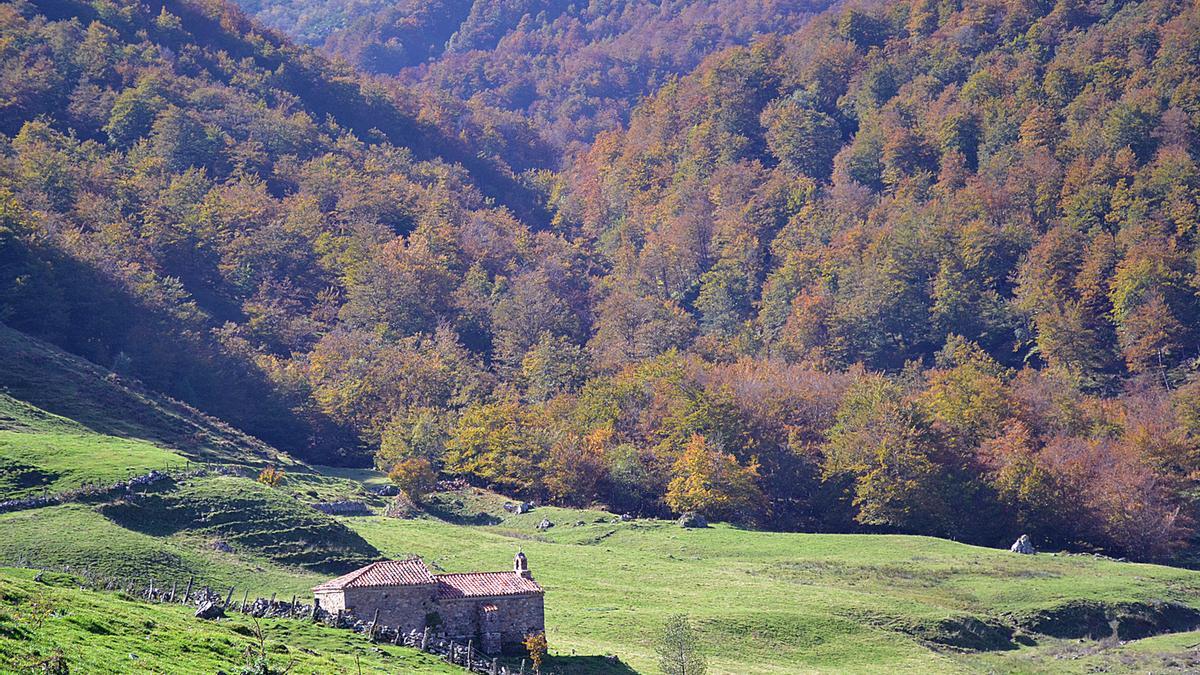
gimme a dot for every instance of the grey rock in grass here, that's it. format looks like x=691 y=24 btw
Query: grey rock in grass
x=692 y=520
x=208 y=609
x=1023 y=545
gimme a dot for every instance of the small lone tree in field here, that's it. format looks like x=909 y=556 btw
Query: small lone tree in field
x=258 y=659
x=679 y=649
x=270 y=476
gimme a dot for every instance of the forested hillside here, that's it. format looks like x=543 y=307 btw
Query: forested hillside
x=995 y=202
x=919 y=267
x=186 y=198
x=572 y=68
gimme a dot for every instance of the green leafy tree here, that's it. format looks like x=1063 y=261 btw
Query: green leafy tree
x=883 y=440
x=554 y=365
x=497 y=443
x=134 y=112
x=678 y=648
x=182 y=141
x=724 y=300
x=803 y=139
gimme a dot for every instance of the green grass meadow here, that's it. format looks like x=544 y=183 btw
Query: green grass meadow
x=770 y=602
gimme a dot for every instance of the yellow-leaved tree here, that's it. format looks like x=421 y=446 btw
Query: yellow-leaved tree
x=714 y=484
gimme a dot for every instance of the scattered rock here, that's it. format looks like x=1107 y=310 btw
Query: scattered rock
x=1023 y=545
x=626 y=517
x=545 y=524
x=207 y=609
x=387 y=490
x=692 y=520
x=580 y=523
x=510 y=507
x=401 y=507
x=452 y=484
x=524 y=507
x=343 y=508
x=219 y=545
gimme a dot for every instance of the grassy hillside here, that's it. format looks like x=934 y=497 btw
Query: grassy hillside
x=46 y=391
x=247 y=516
x=110 y=633
x=44 y=452
x=77 y=535
x=763 y=602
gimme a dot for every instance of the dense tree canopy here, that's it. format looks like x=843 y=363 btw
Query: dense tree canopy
x=573 y=68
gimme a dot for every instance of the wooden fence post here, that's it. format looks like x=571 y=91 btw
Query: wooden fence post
x=374 y=625
x=245 y=596
x=470 y=646
x=171 y=597
x=425 y=640
x=187 y=595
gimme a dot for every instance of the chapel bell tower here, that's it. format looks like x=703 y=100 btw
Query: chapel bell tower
x=521 y=566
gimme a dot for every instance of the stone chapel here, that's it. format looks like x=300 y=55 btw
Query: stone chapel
x=495 y=609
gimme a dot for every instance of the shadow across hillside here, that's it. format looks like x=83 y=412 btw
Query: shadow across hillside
x=97 y=325
x=586 y=665
x=446 y=511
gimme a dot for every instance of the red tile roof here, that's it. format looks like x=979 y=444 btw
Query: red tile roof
x=485 y=584
x=410 y=572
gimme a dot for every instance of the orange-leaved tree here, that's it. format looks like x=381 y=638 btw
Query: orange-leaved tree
x=271 y=476
x=414 y=476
